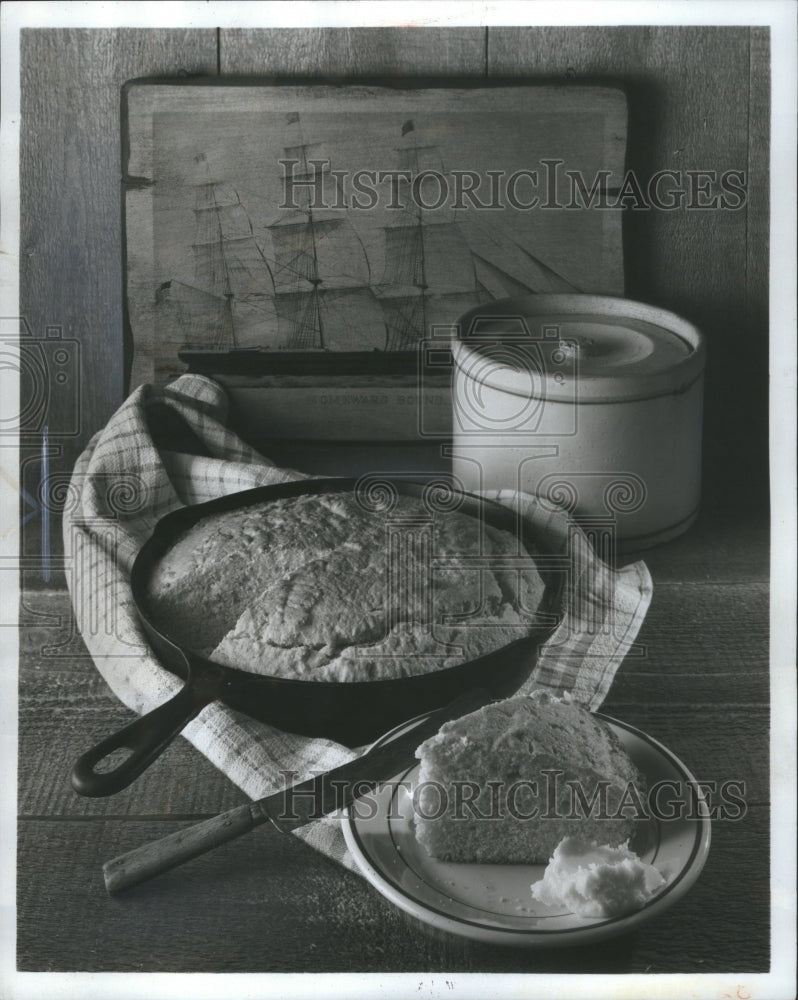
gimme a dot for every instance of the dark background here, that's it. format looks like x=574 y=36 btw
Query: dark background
x=698 y=100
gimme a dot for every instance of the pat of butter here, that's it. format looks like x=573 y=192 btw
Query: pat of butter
x=596 y=880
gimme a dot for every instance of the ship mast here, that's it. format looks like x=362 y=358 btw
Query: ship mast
x=315 y=279
x=210 y=209
x=409 y=314
x=422 y=282
x=324 y=296
x=309 y=327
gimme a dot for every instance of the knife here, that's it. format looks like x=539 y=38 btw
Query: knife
x=287 y=809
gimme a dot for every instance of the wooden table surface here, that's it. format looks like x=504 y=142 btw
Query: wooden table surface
x=268 y=903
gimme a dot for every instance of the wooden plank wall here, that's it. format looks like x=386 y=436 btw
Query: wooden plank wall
x=71 y=228
x=698 y=98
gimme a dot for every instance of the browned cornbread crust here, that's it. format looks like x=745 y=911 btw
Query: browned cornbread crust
x=302 y=588
x=515 y=755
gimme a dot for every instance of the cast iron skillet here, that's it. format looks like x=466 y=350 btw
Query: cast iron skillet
x=352 y=713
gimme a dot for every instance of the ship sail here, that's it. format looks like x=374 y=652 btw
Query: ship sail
x=230 y=303
x=323 y=283
x=322 y=250
x=305 y=281
x=197 y=318
x=496 y=281
x=429 y=255
x=338 y=319
x=430 y=277
x=409 y=312
x=505 y=266
x=442 y=261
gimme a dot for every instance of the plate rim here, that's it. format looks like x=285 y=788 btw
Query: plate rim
x=537 y=937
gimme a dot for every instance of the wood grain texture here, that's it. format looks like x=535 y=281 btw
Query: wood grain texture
x=699 y=628
x=70 y=236
x=704 y=652
x=731 y=744
x=688 y=110
x=277 y=906
x=181 y=783
x=153 y=858
x=726 y=545
x=697 y=100
x=729 y=689
x=758 y=236
x=725 y=744
x=350 y=52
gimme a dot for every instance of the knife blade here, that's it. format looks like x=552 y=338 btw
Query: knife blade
x=289 y=808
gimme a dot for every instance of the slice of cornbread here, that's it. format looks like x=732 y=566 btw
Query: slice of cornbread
x=509 y=781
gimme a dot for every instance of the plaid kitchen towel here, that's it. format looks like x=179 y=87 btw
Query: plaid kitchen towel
x=136 y=470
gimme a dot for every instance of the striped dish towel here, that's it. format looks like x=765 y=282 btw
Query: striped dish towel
x=169 y=446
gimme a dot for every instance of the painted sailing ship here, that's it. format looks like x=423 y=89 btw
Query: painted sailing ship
x=230 y=303
x=324 y=293
x=306 y=283
x=429 y=278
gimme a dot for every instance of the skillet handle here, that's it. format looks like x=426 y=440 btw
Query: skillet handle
x=147 y=738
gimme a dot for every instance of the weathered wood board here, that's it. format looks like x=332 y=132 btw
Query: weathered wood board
x=313 y=217
x=280 y=907
x=70 y=243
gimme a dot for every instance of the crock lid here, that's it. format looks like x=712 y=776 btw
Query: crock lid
x=587 y=348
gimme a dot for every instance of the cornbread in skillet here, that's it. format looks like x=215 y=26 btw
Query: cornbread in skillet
x=499 y=785
x=317 y=587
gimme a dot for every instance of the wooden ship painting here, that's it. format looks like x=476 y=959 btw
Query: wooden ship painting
x=306 y=280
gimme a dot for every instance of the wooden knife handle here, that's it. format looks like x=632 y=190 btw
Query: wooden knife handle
x=152 y=859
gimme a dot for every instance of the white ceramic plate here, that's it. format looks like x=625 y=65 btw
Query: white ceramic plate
x=493 y=902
